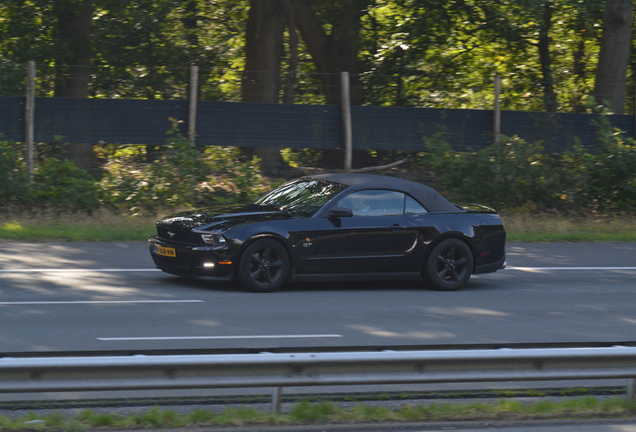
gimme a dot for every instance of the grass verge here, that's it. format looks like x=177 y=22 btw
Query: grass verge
x=107 y=227
x=551 y=228
x=96 y=227
x=324 y=412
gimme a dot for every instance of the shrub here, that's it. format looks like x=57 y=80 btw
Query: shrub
x=606 y=177
x=508 y=174
x=180 y=176
x=170 y=180
x=14 y=186
x=61 y=184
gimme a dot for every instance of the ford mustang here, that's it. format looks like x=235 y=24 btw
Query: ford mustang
x=334 y=227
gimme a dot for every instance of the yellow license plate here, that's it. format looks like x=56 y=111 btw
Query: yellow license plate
x=166 y=251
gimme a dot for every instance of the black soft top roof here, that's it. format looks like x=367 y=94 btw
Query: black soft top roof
x=426 y=195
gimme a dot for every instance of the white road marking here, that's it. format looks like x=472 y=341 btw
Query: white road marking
x=220 y=337
x=46 y=270
x=75 y=270
x=568 y=268
x=98 y=302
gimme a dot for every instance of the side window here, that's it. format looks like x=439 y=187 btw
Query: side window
x=374 y=203
x=413 y=207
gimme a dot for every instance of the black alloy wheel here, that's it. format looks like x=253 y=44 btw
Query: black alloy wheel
x=449 y=266
x=264 y=266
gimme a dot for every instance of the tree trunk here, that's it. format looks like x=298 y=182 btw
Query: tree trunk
x=333 y=53
x=290 y=80
x=74 y=18
x=74 y=25
x=190 y=22
x=261 y=77
x=549 y=97
x=616 y=40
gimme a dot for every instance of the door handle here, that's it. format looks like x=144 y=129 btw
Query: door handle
x=397 y=227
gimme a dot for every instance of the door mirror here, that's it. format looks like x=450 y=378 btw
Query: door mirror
x=339 y=212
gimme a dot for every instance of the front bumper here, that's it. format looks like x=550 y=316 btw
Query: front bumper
x=192 y=260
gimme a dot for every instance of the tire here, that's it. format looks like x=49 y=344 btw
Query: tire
x=449 y=265
x=264 y=266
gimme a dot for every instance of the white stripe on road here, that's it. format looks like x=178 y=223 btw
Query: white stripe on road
x=41 y=270
x=45 y=270
x=98 y=302
x=568 y=268
x=75 y=270
x=221 y=337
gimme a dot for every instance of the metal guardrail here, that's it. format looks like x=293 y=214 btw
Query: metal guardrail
x=265 y=369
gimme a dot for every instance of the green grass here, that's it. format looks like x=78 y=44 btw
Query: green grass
x=325 y=412
x=552 y=228
x=107 y=227
x=98 y=227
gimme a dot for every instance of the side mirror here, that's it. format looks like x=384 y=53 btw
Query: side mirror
x=339 y=212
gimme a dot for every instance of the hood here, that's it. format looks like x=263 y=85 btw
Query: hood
x=224 y=216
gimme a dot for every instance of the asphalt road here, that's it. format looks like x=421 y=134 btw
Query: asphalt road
x=107 y=296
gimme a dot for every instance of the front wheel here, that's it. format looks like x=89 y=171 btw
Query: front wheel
x=449 y=265
x=264 y=266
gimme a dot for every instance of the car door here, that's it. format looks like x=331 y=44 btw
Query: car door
x=376 y=239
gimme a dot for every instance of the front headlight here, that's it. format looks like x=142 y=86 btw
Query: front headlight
x=215 y=238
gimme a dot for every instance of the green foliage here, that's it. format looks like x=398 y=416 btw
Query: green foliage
x=180 y=175
x=156 y=417
x=517 y=175
x=312 y=412
x=170 y=180
x=508 y=174
x=322 y=412
x=61 y=184
x=57 y=183
x=606 y=178
x=13 y=175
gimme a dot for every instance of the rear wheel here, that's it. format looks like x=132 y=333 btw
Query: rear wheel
x=264 y=266
x=449 y=265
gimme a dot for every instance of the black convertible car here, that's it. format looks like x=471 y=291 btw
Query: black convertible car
x=334 y=227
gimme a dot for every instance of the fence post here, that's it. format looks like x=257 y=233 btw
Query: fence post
x=346 y=119
x=29 y=110
x=277 y=397
x=192 y=108
x=631 y=390
x=496 y=126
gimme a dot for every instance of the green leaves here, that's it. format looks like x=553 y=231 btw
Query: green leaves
x=515 y=174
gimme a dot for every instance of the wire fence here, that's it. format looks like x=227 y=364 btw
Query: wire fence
x=135 y=105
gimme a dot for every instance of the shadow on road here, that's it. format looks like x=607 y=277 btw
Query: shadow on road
x=348 y=286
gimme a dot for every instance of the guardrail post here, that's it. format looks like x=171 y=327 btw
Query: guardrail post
x=631 y=390
x=277 y=397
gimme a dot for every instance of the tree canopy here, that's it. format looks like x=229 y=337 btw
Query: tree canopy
x=550 y=54
x=400 y=52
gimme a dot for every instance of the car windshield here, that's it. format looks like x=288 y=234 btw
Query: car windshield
x=302 y=196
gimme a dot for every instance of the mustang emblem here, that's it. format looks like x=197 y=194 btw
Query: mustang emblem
x=172 y=234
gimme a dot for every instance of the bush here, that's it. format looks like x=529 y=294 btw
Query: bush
x=57 y=183
x=606 y=178
x=509 y=174
x=14 y=180
x=171 y=180
x=515 y=174
x=181 y=175
x=61 y=184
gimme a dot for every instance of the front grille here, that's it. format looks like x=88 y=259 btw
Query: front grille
x=176 y=235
